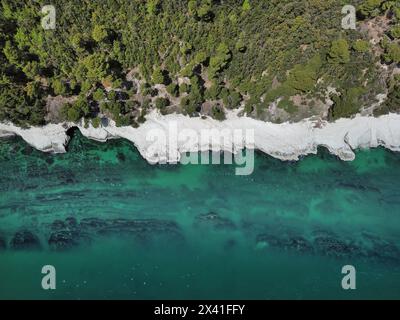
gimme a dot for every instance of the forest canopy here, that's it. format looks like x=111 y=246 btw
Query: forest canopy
x=278 y=60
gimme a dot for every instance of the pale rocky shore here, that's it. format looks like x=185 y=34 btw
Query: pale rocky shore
x=287 y=141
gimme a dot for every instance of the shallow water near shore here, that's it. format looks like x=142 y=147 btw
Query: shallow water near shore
x=116 y=227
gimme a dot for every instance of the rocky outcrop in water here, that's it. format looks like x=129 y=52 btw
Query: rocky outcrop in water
x=294 y=243
x=326 y=243
x=381 y=248
x=64 y=239
x=329 y=244
x=214 y=220
x=66 y=234
x=25 y=240
x=2 y=244
x=71 y=233
x=142 y=228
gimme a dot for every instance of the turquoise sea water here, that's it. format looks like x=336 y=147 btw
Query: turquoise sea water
x=117 y=227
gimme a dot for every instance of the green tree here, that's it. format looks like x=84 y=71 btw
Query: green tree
x=153 y=7
x=82 y=105
x=11 y=53
x=59 y=87
x=287 y=105
x=99 y=33
x=246 y=5
x=173 y=89
x=96 y=122
x=240 y=46
x=188 y=106
x=304 y=77
x=395 y=32
x=112 y=96
x=361 y=46
x=31 y=69
x=347 y=104
x=99 y=95
x=33 y=89
x=234 y=99
x=393 y=101
x=204 y=11
x=186 y=48
x=161 y=103
x=370 y=8
x=95 y=66
x=392 y=53
x=74 y=112
x=184 y=88
x=213 y=92
x=220 y=60
x=218 y=113
x=192 y=7
x=158 y=76
x=340 y=52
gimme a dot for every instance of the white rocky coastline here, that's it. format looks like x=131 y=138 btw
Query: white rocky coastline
x=288 y=141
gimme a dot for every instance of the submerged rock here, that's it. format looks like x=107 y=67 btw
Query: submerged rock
x=230 y=244
x=381 y=249
x=142 y=229
x=28 y=150
x=288 y=243
x=64 y=240
x=49 y=160
x=2 y=244
x=327 y=243
x=213 y=220
x=71 y=222
x=300 y=244
x=58 y=225
x=336 y=247
x=330 y=244
x=25 y=240
x=92 y=223
x=121 y=157
x=70 y=233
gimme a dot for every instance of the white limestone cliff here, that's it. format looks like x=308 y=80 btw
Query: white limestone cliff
x=287 y=141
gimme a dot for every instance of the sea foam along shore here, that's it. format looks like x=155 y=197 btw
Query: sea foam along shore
x=287 y=141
